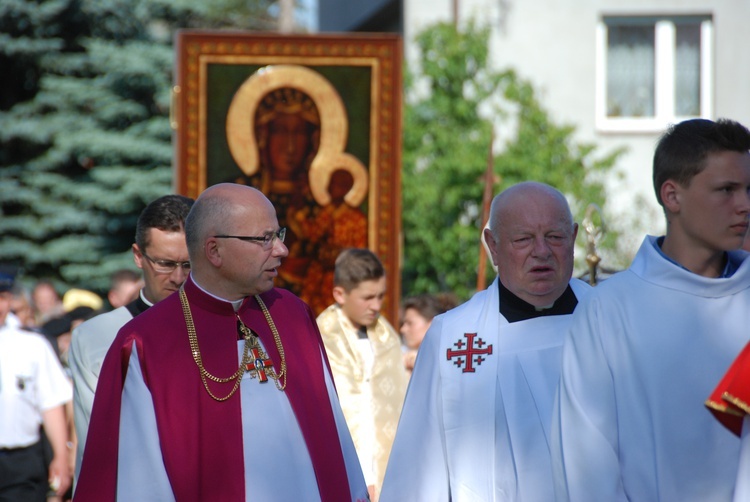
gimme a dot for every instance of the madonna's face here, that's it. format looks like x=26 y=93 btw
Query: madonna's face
x=288 y=144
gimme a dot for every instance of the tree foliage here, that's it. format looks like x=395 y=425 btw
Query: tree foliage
x=451 y=102
x=85 y=141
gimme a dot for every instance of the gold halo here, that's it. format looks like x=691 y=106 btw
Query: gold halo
x=240 y=124
x=323 y=167
x=334 y=128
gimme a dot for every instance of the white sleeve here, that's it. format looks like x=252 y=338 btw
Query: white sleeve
x=141 y=475
x=418 y=465
x=84 y=385
x=584 y=443
x=53 y=386
x=742 y=488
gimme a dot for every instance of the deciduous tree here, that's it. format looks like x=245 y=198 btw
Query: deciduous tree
x=453 y=101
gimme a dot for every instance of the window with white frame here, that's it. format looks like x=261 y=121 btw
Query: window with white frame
x=652 y=71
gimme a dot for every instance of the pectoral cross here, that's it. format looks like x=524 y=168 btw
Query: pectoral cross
x=257 y=361
x=258 y=364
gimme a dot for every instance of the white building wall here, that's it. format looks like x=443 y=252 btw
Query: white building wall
x=553 y=44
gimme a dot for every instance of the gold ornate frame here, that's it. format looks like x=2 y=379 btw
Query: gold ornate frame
x=356 y=83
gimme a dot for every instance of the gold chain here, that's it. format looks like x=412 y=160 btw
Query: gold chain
x=277 y=339
x=237 y=375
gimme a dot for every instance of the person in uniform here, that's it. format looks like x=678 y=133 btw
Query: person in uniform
x=33 y=393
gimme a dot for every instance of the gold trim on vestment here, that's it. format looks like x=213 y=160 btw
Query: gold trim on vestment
x=739 y=403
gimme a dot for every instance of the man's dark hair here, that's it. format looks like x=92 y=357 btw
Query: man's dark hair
x=166 y=213
x=355 y=266
x=682 y=151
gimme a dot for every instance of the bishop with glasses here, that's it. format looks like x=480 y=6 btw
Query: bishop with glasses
x=222 y=391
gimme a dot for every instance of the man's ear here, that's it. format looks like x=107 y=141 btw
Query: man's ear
x=339 y=295
x=489 y=244
x=137 y=255
x=213 y=252
x=670 y=196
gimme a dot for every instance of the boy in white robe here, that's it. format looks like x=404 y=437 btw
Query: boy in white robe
x=475 y=424
x=365 y=356
x=648 y=345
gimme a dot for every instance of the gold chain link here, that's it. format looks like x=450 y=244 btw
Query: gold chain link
x=237 y=375
x=279 y=347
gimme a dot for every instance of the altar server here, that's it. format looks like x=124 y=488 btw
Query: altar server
x=649 y=344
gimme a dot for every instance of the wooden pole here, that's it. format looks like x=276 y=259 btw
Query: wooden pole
x=489 y=179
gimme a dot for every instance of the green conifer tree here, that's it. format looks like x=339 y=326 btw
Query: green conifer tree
x=85 y=139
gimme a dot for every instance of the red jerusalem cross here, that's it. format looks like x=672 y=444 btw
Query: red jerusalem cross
x=470 y=355
x=259 y=364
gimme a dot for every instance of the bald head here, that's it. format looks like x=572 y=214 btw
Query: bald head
x=531 y=238
x=214 y=209
x=526 y=192
x=224 y=231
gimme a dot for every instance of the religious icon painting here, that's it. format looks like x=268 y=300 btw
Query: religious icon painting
x=313 y=121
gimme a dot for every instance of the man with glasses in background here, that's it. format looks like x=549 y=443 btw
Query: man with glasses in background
x=160 y=251
x=223 y=391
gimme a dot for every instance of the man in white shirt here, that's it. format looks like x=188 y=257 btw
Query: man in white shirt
x=33 y=391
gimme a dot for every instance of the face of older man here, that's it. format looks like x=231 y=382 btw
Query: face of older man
x=532 y=243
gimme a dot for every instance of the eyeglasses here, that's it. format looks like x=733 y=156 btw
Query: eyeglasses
x=167 y=266
x=266 y=241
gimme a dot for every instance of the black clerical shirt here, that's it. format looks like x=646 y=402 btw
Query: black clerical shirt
x=514 y=309
x=137 y=306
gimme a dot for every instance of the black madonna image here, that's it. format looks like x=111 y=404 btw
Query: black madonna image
x=287 y=129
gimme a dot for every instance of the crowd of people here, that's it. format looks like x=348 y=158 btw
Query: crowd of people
x=38 y=438
x=198 y=379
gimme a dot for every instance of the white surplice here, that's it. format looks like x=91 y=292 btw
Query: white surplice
x=481 y=434
x=278 y=466
x=643 y=352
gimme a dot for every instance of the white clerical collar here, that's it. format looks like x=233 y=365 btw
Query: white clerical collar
x=145 y=300
x=544 y=307
x=235 y=303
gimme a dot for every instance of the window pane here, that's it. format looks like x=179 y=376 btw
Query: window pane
x=687 y=69
x=630 y=70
